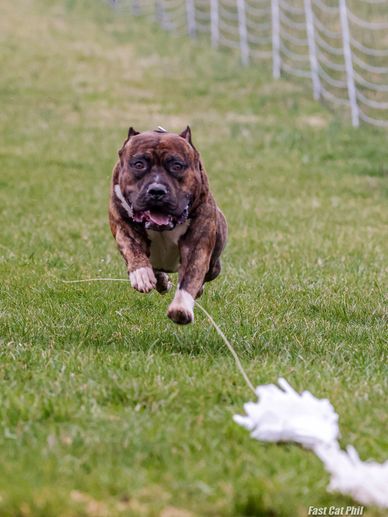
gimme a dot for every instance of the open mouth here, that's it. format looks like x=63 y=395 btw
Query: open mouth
x=152 y=219
x=155 y=220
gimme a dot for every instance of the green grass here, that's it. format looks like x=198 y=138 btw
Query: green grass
x=108 y=408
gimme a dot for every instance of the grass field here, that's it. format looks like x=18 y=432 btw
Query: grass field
x=107 y=408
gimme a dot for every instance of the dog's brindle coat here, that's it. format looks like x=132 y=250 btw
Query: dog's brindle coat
x=164 y=218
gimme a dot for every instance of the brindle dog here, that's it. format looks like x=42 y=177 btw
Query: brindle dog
x=164 y=218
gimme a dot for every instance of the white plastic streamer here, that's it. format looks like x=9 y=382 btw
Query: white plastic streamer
x=365 y=481
x=282 y=415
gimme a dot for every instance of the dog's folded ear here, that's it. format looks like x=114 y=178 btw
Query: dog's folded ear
x=131 y=132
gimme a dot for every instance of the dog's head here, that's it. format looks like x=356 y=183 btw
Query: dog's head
x=160 y=178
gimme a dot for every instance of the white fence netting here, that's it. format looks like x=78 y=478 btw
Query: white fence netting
x=340 y=46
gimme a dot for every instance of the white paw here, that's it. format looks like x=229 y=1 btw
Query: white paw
x=143 y=279
x=181 y=308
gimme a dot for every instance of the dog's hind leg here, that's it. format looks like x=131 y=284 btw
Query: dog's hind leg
x=163 y=282
x=214 y=270
x=200 y=293
x=215 y=262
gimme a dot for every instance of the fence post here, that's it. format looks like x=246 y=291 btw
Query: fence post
x=136 y=7
x=190 y=16
x=349 y=63
x=310 y=29
x=276 y=63
x=214 y=23
x=159 y=12
x=242 y=29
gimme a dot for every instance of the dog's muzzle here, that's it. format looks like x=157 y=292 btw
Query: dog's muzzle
x=153 y=218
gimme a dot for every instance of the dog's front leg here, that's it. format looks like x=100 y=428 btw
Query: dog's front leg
x=195 y=254
x=135 y=251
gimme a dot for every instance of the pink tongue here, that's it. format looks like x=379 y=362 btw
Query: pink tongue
x=159 y=219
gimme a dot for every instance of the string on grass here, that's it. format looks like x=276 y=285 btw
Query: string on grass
x=94 y=280
x=283 y=415
x=230 y=347
x=214 y=324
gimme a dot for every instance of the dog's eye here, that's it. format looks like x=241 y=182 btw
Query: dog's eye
x=176 y=167
x=138 y=165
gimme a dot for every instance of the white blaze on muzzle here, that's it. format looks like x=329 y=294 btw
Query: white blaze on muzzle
x=123 y=201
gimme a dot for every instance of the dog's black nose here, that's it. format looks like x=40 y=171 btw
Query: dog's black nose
x=157 y=190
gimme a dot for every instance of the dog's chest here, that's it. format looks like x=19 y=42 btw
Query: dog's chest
x=164 y=248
